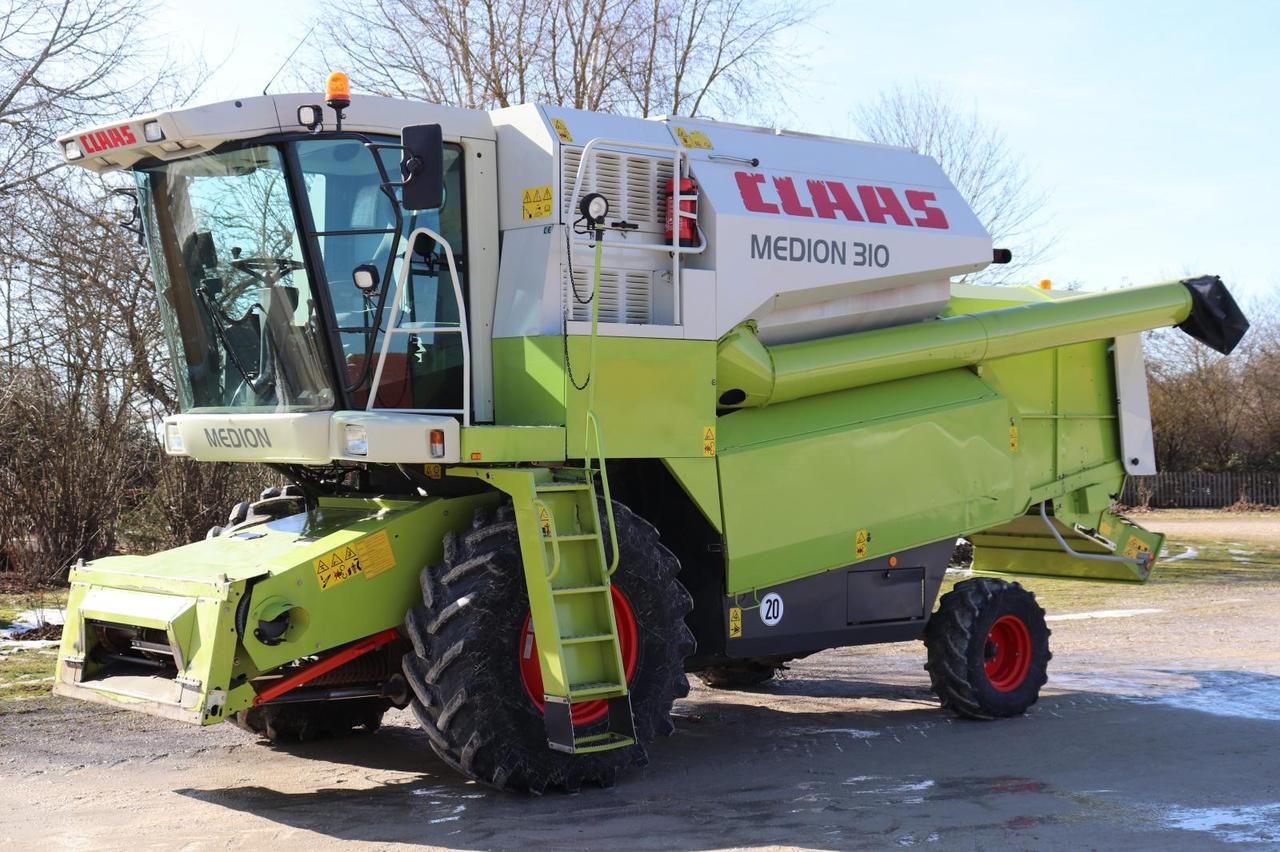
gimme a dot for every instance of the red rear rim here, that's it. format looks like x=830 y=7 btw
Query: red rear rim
x=628 y=641
x=1008 y=653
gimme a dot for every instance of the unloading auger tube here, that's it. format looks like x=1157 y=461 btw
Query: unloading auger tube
x=751 y=374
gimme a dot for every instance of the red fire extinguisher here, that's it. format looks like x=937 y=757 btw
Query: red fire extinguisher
x=688 y=204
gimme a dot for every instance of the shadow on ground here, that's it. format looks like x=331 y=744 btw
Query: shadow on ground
x=1082 y=769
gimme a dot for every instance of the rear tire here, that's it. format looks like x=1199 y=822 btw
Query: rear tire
x=293 y=723
x=742 y=674
x=468 y=691
x=988 y=649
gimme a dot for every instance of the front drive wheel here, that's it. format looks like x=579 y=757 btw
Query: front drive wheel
x=477 y=688
x=988 y=649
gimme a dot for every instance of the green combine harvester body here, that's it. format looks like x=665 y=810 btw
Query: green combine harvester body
x=581 y=466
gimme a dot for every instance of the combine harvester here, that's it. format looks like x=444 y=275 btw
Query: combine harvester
x=574 y=404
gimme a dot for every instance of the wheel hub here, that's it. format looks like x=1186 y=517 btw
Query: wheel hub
x=1007 y=653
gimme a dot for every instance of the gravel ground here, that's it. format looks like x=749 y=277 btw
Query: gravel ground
x=1158 y=730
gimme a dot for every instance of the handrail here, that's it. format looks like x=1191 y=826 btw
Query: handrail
x=393 y=328
x=678 y=170
x=1099 y=557
x=553 y=536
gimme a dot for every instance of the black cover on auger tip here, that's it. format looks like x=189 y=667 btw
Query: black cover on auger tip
x=1215 y=320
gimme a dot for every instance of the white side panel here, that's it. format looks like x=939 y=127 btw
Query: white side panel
x=1136 y=441
x=526 y=160
x=204 y=127
x=802 y=229
x=481 y=182
x=529 y=283
x=315 y=437
x=699 y=304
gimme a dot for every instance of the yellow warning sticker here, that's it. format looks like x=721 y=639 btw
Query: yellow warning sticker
x=709 y=441
x=544 y=520
x=693 y=139
x=369 y=557
x=562 y=129
x=860 y=540
x=535 y=202
x=433 y=471
x=735 y=622
x=1013 y=438
x=1134 y=547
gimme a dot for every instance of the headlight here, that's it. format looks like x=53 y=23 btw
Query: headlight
x=357 y=440
x=437 y=443
x=71 y=150
x=151 y=131
x=173 y=442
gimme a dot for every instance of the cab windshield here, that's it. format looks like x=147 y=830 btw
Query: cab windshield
x=251 y=329
x=234 y=294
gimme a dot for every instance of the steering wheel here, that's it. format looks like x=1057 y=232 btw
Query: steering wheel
x=267 y=270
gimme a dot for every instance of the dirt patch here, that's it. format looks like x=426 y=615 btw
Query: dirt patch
x=44 y=631
x=1220 y=526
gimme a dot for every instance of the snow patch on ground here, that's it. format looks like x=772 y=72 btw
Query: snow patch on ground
x=33 y=618
x=1243 y=824
x=907 y=790
x=1101 y=613
x=1189 y=553
x=1233 y=694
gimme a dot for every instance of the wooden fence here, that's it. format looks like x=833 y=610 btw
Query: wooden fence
x=1202 y=490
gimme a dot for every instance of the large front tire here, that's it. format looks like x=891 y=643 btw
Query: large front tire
x=468 y=636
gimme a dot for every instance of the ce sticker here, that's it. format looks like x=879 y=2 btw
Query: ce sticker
x=771 y=609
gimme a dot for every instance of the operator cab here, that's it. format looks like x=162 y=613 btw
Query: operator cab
x=276 y=261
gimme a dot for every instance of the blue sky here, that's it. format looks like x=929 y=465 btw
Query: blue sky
x=1154 y=127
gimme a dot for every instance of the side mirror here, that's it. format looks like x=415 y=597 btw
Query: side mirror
x=365 y=277
x=422 y=167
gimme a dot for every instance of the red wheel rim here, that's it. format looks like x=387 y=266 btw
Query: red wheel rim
x=1008 y=653
x=628 y=641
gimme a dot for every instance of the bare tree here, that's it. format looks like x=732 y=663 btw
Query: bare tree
x=639 y=57
x=974 y=153
x=85 y=369
x=1214 y=412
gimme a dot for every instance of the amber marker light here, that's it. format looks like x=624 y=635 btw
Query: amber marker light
x=337 y=90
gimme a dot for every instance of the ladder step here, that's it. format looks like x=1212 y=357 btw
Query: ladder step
x=578 y=590
x=562 y=486
x=585 y=638
x=601 y=742
x=575 y=537
x=585 y=690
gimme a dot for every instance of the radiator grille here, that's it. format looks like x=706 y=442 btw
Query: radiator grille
x=632 y=182
x=626 y=295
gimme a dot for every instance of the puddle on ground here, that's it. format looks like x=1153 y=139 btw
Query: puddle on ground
x=1238 y=695
x=1242 y=824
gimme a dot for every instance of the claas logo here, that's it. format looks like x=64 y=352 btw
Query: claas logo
x=830 y=199
x=97 y=141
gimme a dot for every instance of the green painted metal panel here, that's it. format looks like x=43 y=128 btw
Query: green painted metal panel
x=907 y=463
x=655 y=397
x=528 y=381
x=344 y=571
x=701 y=481
x=512 y=443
